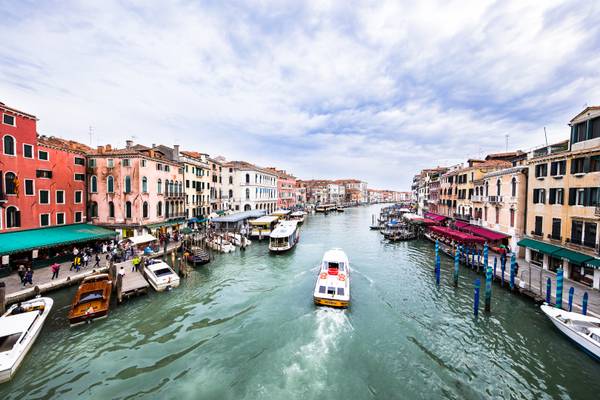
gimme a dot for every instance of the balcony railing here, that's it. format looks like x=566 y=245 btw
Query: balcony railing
x=476 y=198
x=494 y=199
x=173 y=195
x=464 y=217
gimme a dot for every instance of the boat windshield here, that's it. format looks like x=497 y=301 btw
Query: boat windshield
x=333 y=267
x=8 y=342
x=162 y=272
x=91 y=296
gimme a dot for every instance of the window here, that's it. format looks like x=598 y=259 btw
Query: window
x=9 y=145
x=538 y=226
x=60 y=197
x=27 y=151
x=541 y=170
x=80 y=177
x=13 y=217
x=60 y=218
x=167 y=168
x=578 y=165
x=513 y=187
x=43 y=155
x=558 y=168
x=44 y=197
x=159 y=186
x=93 y=184
x=110 y=163
x=29 y=187
x=497 y=215
x=595 y=128
x=578 y=132
x=127 y=184
x=231 y=180
x=8 y=119
x=10 y=183
x=145 y=209
x=40 y=173
x=125 y=162
x=539 y=196
x=512 y=218
x=145 y=185
x=111 y=209
x=78 y=216
x=128 y=209
x=110 y=184
x=44 y=219
x=555 y=228
x=498 y=187
x=594 y=164
x=248 y=179
x=576 y=231
x=79 y=161
x=556 y=196
x=589 y=234
x=159 y=167
x=159 y=209
x=78 y=197
x=143 y=163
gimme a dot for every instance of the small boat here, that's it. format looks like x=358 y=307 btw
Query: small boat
x=160 y=275
x=219 y=243
x=298 y=216
x=281 y=214
x=197 y=256
x=284 y=237
x=333 y=282
x=19 y=328
x=237 y=239
x=581 y=329
x=339 y=209
x=92 y=299
x=263 y=226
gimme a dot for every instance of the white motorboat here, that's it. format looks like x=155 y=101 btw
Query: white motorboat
x=333 y=282
x=236 y=239
x=19 y=327
x=219 y=243
x=582 y=329
x=298 y=216
x=160 y=275
x=284 y=237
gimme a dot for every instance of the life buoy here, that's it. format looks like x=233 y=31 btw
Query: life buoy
x=342 y=277
x=323 y=275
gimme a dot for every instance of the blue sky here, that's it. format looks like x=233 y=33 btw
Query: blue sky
x=375 y=90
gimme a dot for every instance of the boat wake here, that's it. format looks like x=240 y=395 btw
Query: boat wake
x=371 y=281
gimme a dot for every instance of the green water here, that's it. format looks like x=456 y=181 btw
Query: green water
x=245 y=327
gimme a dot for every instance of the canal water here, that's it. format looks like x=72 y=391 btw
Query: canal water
x=245 y=327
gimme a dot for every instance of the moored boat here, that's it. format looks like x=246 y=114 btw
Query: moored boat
x=263 y=226
x=221 y=244
x=581 y=329
x=92 y=299
x=333 y=282
x=160 y=275
x=19 y=328
x=198 y=256
x=298 y=216
x=284 y=237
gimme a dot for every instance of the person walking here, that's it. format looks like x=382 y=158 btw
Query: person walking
x=55 y=269
x=97 y=263
x=86 y=260
x=77 y=263
x=21 y=272
x=28 y=277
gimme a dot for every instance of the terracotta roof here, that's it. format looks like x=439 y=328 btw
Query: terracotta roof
x=591 y=108
x=193 y=154
x=246 y=165
x=64 y=144
x=14 y=110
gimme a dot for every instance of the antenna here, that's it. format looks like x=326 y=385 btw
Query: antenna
x=546 y=136
x=506 y=139
x=91 y=133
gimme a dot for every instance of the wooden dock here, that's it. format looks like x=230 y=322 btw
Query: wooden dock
x=131 y=284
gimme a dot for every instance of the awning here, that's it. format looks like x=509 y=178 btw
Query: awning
x=166 y=223
x=542 y=247
x=15 y=242
x=435 y=217
x=485 y=233
x=141 y=239
x=461 y=224
x=186 y=230
x=594 y=263
x=456 y=235
x=573 y=256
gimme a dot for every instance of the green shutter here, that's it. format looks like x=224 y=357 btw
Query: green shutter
x=572 y=194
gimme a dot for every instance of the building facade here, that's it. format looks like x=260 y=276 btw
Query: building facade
x=251 y=187
x=286 y=189
x=195 y=175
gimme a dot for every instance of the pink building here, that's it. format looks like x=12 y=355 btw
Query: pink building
x=135 y=190
x=286 y=189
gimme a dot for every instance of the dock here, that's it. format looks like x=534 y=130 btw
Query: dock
x=132 y=283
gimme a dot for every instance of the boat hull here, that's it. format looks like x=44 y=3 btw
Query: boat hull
x=319 y=301
x=82 y=319
x=587 y=346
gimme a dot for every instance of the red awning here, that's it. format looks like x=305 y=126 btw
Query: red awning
x=435 y=217
x=461 y=224
x=456 y=235
x=428 y=221
x=486 y=233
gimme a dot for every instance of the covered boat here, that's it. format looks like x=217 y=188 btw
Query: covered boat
x=281 y=214
x=198 y=256
x=219 y=243
x=160 y=275
x=92 y=299
x=583 y=330
x=263 y=226
x=284 y=237
x=298 y=216
x=19 y=328
x=333 y=282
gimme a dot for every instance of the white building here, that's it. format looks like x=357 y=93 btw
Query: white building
x=248 y=187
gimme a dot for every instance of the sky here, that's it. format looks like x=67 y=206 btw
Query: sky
x=373 y=90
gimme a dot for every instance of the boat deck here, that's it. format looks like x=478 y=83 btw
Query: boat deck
x=133 y=283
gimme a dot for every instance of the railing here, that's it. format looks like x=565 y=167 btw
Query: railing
x=174 y=195
x=477 y=198
x=465 y=217
x=494 y=199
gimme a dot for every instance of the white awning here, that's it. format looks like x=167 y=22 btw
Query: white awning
x=141 y=239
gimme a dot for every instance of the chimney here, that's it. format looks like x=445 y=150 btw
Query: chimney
x=153 y=145
x=128 y=143
x=100 y=149
x=175 y=152
x=108 y=147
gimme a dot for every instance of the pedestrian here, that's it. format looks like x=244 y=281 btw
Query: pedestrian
x=86 y=260
x=97 y=264
x=21 y=272
x=28 y=277
x=75 y=251
x=77 y=263
x=104 y=248
x=122 y=271
x=55 y=269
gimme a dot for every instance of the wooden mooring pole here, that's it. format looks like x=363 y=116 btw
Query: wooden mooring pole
x=476 y=297
x=3 y=297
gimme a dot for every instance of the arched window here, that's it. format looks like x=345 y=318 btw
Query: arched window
x=127 y=184
x=93 y=209
x=159 y=209
x=144 y=185
x=487 y=188
x=13 y=217
x=145 y=209
x=498 y=186
x=159 y=186
x=247 y=194
x=128 y=209
x=180 y=190
x=247 y=178
x=93 y=184
x=10 y=183
x=110 y=184
x=513 y=187
x=476 y=190
x=9 y=145
x=167 y=211
x=230 y=194
x=231 y=180
x=167 y=187
x=247 y=207
x=111 y=209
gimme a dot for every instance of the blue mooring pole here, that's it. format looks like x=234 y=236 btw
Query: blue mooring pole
x=584 y=304
x=559 y=287
x=513 y=267
x=456 y=258
x=548 y=290
x=437 y=270
x=502 y=268
x=485 y=257
x=476 y=297
x=488 y=288
x=478 y=260
x=571 y=293
x=437 y=247
x=495 y=264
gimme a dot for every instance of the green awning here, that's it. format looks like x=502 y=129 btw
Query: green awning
x=186 y=230
x=15 y=242
x=542 y=247
x=166 y=223
x=572 y=256
x=594 y=263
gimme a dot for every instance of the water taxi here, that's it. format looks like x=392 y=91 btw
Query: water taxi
x=581 y=329
x=263 y=226
x=19 y=328
x=92 y=299
x=333 y=283
x=160 y=275
x=298 y=216
x=284 y=237
x=281 y=214
x=324 y=208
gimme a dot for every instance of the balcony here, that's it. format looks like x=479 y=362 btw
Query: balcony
x=173 y=195
x=477 y=198
x=495 y=199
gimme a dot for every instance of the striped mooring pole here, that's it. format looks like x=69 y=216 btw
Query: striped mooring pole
x=502 y=269
x=476 y=297
x=559 y=287
x=437 y=270
x=495 y=264
x=456 y=258
x=437 y=247
x=488 y=288
x=485 y=257
x=584 y=304
x=478 y=260
x=571 y=293
x=513 y=267
x=548 y=290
